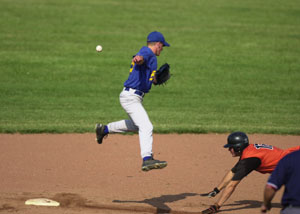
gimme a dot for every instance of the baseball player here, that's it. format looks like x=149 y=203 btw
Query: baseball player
x=287 y=173
x=260 y=157
x=138 y=84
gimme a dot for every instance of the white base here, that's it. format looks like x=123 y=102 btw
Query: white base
x=42 y=202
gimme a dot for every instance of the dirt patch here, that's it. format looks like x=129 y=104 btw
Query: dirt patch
x=89 y=178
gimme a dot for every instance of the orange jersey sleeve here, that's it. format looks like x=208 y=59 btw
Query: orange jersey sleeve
x=269 y=155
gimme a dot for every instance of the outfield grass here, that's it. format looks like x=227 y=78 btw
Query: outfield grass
x=235 y=64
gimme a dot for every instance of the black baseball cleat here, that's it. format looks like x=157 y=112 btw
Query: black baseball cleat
x=153 y=164
x=100 y=132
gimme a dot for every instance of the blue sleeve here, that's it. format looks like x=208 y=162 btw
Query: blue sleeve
x=149 y=58
x=278 y=176
x=144 y=52
x=153 y=63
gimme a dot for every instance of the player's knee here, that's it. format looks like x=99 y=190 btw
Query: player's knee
x=147 y=128
x=151 y=128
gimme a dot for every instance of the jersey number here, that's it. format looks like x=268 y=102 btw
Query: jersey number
x=263 y=146
x=152 y=75
x=131 y=67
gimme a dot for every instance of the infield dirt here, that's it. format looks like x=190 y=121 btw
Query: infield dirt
x=89 y=178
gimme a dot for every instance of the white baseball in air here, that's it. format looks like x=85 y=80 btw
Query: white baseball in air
x=99 y=48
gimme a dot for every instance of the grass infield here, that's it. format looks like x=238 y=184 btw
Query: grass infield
x=235 y=64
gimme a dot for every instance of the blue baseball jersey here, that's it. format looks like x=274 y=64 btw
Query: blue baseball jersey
x=141 y=76
x=287 y=173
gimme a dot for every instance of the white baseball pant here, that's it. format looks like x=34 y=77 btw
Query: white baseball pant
x=139 y=121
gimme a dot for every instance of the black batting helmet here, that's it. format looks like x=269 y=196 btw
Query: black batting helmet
x=238 y=141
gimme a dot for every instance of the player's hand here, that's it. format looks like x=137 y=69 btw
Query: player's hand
x=264 y=208
x=212 y=209
x=138 y=59
x=212 y=193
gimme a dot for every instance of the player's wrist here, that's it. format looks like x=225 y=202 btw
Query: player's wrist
x=217 y=206
x=216 y=190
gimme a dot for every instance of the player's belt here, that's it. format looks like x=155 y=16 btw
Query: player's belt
x=140 y=93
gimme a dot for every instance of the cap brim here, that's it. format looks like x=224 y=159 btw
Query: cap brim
x=227 y=145
x=166 y=44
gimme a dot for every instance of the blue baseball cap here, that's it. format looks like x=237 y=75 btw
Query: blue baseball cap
x=157 y=37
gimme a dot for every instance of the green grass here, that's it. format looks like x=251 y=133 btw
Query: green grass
x=235 y=64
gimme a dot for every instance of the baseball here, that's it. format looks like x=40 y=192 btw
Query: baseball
x=99 y=48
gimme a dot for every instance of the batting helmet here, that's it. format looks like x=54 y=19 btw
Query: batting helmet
x=238 y=141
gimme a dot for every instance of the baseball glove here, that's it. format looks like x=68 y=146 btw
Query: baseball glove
x=211 y=210
x=162 y=75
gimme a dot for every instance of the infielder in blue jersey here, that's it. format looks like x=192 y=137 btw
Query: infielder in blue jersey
x=286 y=173
x=139 y=82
